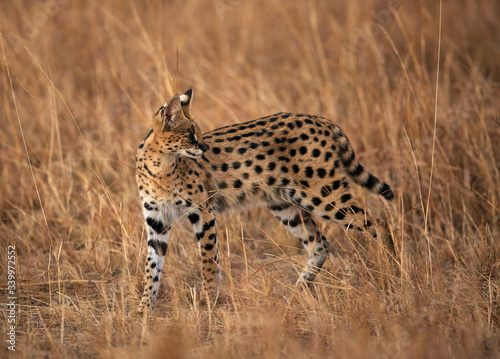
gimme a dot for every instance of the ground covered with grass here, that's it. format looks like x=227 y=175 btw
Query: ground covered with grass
x=416 y=90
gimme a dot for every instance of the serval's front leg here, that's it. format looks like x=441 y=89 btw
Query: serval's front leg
x=158 y=235
x=203 y=222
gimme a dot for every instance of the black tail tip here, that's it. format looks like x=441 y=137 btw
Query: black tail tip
x=386 y=192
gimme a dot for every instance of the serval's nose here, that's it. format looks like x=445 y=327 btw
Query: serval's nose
x=204 y=147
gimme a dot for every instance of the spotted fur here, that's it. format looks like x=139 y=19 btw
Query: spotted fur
x=299 y=166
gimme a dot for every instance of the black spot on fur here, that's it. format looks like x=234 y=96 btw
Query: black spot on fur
x=222 y=185
x=279 y=207
x=209 y=225
x=386 y=192
x=316 y=201
x=325 y=191
x=370 y=181
x=309 y=172
x=358 y=170
x=321 y=172
x=284 y=181
x=149 y=207
x=356 y=209
x=304 y=183
x=346 y=197
x=157 y=225
x=208 y=246
x=194 y=218
x=295 y=221
x=271 y=180
x=159 y=247
x=348 y=161
x=237 y=184
x=340 y=214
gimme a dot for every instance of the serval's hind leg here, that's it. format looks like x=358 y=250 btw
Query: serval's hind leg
x=300 y=224
x=345 y=210
x=353 y=217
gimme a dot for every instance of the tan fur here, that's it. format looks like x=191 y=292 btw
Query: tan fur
x=300 y=166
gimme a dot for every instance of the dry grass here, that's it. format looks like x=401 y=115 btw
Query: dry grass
x=86 y=78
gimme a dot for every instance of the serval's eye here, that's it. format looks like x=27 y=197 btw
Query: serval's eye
x=191 y=138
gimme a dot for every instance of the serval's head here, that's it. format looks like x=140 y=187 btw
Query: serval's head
x=175 y=132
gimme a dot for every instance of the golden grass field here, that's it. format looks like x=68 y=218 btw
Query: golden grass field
x=80 y=81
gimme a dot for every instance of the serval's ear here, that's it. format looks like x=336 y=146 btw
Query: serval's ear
x=170 y=113
x=186 y=102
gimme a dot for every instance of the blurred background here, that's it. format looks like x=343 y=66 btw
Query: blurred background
x=80 y=81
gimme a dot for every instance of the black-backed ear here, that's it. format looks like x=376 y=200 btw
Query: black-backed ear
x=186 y=102
x=169 y=114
